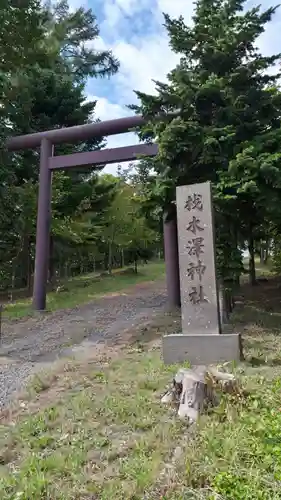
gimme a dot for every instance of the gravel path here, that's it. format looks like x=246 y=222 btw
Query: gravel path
x=32 y=344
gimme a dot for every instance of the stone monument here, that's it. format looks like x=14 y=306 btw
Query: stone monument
x=201 y=340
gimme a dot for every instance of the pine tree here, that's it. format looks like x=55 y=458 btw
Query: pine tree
x=44 y=65
x=228 y=127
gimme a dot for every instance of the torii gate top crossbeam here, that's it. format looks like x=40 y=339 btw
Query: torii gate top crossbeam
x=77 y=133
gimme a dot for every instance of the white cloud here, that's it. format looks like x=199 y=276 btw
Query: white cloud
x=147 y=56
x=176 y=8
x=140 y=64
x=105 y=110
x=76 y=4
x=112 y=14
x=150 y=58
x=146 y=59
x=114 y=10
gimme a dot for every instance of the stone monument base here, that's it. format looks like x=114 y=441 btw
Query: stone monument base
x=202 y=348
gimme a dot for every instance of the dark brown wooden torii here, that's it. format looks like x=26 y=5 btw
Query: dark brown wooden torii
x=48 y=162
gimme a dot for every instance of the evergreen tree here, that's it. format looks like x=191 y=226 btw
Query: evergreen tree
x=46 y=59
x=228 y=127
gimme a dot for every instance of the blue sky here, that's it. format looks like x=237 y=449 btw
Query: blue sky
x=133 y=30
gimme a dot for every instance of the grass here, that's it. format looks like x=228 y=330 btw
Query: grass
x=83 y=289
x=93 y=429
x=107 y=440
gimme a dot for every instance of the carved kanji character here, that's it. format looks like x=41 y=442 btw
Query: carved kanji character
x=194 y=202
x=196 y=296
x=198 y=268
x=195 y=246
x=194 y=225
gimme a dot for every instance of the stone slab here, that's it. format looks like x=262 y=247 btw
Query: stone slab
x=199 y=290
x=201 y=348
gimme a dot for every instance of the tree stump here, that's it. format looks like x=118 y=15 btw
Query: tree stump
x=193 y=390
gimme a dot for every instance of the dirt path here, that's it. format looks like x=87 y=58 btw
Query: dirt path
x=30 y=345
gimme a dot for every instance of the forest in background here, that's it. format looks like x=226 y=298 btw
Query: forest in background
x=227 y=131
x=96 y=219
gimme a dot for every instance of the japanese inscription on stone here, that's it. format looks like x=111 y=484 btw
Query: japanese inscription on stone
x=199 y=294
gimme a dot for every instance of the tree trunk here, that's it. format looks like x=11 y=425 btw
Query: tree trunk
x=52 y=278
x=235 y=236
x=228 y=303
x=226 y=299
x=109 y=264
x=136 y=265
x=13 y=282
x=237 y=281
x=81 y=265
x=122 y=258
x=66 y=270
x=262 y=253
x=194 y=390
x=29 y=268
x=252 y=265
x=27 y=262
x=266 y=251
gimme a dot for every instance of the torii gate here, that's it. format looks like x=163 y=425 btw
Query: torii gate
x=48 y=162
